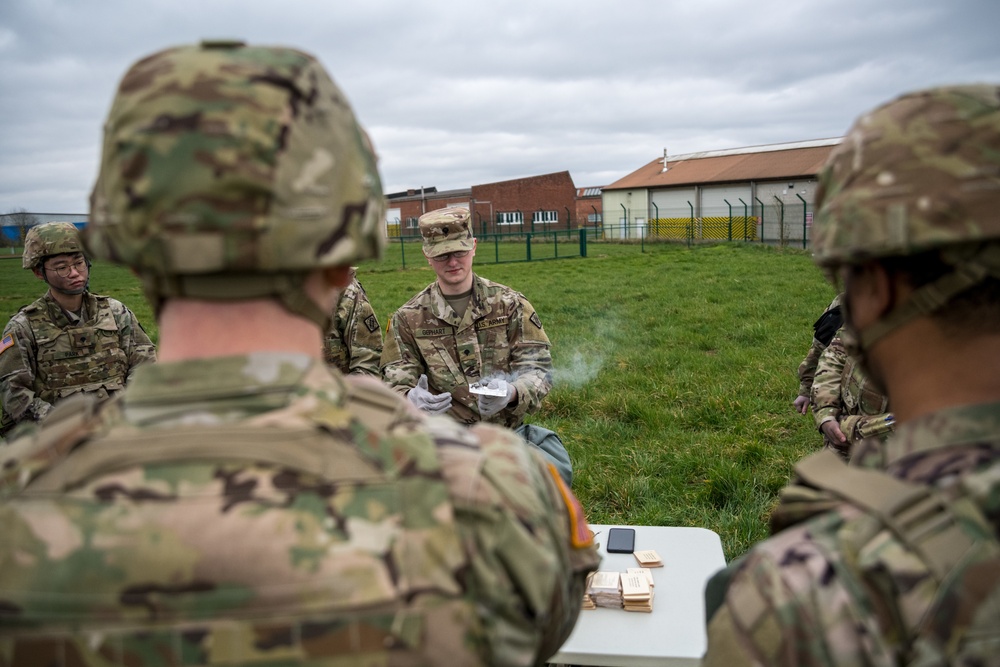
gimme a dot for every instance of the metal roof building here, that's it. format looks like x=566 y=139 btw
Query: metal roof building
x=754 y=193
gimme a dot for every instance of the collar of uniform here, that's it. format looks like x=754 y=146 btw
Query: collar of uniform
x=58 y=315
x=963 y=425
x=443 y=311
x=228 y=387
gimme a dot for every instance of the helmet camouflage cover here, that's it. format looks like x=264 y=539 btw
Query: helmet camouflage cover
x=917 y=173
x=222 y=162
x=47 y=239
x=920 y=173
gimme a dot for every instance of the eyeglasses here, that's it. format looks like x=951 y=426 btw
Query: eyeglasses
x=63 y=270
x=458 y=254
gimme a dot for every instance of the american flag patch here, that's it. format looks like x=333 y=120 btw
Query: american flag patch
x=8 y=341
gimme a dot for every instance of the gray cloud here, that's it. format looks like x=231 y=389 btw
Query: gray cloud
x=455 y=94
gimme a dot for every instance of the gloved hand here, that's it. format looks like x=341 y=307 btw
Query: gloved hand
x=801 y=404
x=490 y=405
x=423 y=399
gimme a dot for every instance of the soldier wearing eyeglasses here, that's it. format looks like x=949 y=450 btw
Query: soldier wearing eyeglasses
x=69 y=341
x=466 y=330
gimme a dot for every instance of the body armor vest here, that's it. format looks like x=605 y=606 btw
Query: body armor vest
x=84 y=357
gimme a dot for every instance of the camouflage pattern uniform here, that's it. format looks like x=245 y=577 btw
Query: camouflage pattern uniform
x=898 y=563
x=263 y=508
x=842 y=392
x=500 y=333
x=47 y=354
x=353 y=343
x=807 y=369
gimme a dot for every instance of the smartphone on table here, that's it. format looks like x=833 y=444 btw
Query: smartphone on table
x=621 y=540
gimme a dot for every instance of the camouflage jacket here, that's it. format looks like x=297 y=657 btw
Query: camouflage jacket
x=838 y=585
x=48 y=357
x=354 y=342
x=263 y=509
x=843 y=392
x=807 y=369
x=500 y=334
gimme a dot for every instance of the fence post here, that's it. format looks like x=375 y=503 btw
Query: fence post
x=583 y=242
x=690 y=233
x=761 y=219
x=657 y=209
x=744 y=218
x=805 y=214
x=730 y=218
x=496 y=246
x=781 y=224
x=527 y=246
x=402 y=251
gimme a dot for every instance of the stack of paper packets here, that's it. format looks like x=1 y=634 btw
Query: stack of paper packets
x=604 y=589
x=637 y=590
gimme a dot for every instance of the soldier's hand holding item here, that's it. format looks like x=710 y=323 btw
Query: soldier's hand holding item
x=490 y=405
x=423 y=399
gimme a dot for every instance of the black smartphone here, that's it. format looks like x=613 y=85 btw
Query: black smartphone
x=621 y=541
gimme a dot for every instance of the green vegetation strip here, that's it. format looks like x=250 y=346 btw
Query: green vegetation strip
x=674 y=370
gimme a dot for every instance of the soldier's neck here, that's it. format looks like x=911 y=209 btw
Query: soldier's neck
x=68 y=302
x=926 y=370
x=198 y=329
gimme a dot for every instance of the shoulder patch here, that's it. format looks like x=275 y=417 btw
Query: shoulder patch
x=579 y=531
x=7 y=342
x=536 y=320
x=371 y=323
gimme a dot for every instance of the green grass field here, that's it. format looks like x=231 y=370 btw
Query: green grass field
x=674 y=370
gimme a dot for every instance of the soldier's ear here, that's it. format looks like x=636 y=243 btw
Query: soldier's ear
x=338 y=276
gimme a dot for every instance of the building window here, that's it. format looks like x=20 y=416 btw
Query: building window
x=411 y=222
x=545 y=217
x=594 y=218
x=509 y=218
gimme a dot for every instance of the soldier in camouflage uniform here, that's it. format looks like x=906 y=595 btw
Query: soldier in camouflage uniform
x=70 y=340
x=895 y=559
x=241 y=503
x=847 y=407
x=463 y=329
x=353 y=343
x=823 y=331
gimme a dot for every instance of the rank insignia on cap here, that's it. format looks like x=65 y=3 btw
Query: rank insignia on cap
x=371 y=323
x=8 y=341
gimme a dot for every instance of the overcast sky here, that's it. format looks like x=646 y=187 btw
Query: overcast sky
x=457 y=93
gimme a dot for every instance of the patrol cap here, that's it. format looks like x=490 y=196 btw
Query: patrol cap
x=446 y=230
x=224 y=165
x=47 y=239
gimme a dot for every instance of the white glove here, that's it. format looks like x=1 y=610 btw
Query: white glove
x=435 y=404
x=490 y=405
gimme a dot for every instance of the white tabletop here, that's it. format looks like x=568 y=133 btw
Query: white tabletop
x=674 y=633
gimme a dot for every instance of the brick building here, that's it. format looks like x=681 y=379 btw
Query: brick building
x=589 y=207
x=532 y=204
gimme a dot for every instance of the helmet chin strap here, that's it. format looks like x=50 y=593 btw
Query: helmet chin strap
x=968 y=273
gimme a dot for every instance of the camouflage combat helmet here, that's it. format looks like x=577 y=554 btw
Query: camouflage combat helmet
x=230 y=171
x=47 y=239
x=919 y=173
